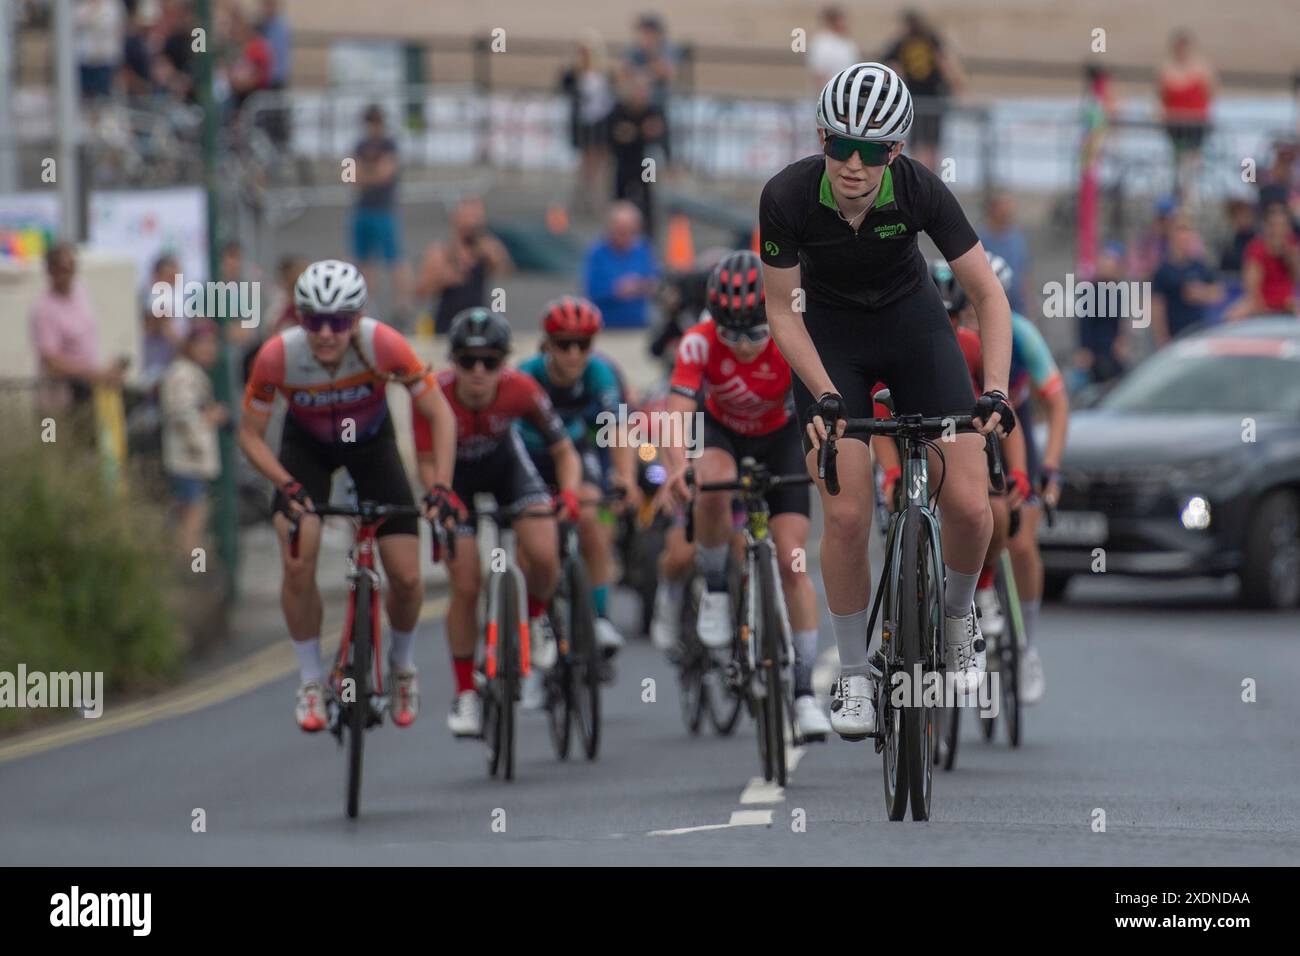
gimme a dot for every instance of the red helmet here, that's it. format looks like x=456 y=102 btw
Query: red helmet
x=735 y=292
x=572 y=315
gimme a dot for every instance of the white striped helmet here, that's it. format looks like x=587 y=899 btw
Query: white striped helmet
x=330 y=286
x=866 y=101
x=1002 y=269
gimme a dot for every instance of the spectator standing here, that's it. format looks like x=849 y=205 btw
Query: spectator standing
x=1152 y=246
x=274 y=26
x=932 y=75
x=282 y=309
x=831 y=48
x=1184 y=286
x=164 y=331
x=173 y=69
x=100 y=36
x=636 y=131
x=654 y=56
x=620 y=273
x=1103 y=346
x=455 y=273
x=376 y=228
x=589 y=85
x=1002 y=236
x=65 y=335
x=190 y=418
x=1187 y=85
x=254 y=65
x=1241 y=222
x=1270 y=268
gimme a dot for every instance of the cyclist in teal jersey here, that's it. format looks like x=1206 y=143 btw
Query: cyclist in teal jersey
x=585 y=390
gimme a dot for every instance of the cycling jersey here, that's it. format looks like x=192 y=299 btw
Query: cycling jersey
x=1031 y=363
x=579 y=405
x=750 y=398
x=481 y=431
x=348 y=404
x=800 y=224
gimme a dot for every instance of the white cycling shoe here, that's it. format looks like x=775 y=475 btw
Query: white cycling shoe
x=1032 y=683
x=544 y=652
x=992 y=621
x=532 y=694
x=466 y=717
x=853 y=707
x=714 y=623
x=666 y=622
x=607 y=636
x=965 y=646
x=809 y=719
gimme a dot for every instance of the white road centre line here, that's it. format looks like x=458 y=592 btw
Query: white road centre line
x=762 y=791
x=750 y=818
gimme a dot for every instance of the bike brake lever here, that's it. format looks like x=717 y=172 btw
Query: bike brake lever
x=993 y=451
x=826 y=469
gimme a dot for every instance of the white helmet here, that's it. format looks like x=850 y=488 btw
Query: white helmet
x=866 y=101
x=330 y=286
x=1002 y=269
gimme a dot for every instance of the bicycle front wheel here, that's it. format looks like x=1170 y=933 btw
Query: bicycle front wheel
x=584 y=660
x=1013 y=639
x=916 y=630
x=772 y=664
x=503 y=679
x=357 y=672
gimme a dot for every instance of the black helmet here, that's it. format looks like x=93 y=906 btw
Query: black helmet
x=479 y=328
x=950 y=290
x=735 y=291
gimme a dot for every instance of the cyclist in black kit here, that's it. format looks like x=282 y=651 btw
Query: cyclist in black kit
x=850 y=302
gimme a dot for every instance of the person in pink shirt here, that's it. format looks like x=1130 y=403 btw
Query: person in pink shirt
x=65 y=335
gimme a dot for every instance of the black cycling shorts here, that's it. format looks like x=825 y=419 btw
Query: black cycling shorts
x=908 y=344
x=595 y=466
x=779 y=450
x=507 y=473
x=1033 y=460
x=374 y=465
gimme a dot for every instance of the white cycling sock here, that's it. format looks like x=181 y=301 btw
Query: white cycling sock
x=402 y=654
x=1029 y=614
x=851 y=638
x=959 y=592
x=308 y=653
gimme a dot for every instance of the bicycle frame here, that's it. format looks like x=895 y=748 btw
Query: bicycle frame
x=502 y=538
x=361 y=564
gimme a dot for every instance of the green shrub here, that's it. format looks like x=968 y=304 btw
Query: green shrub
x=85 y=575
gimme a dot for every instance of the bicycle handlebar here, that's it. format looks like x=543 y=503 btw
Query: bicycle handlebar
x=374 y=513
x=753 y=479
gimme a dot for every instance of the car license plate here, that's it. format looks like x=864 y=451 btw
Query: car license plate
x=1074 y=527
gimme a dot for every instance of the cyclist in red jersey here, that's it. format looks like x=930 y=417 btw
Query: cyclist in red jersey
x=333 y=369
x=486 y=399
x=731 y=362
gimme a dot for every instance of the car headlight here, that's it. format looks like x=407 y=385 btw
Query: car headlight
x=1195 y=513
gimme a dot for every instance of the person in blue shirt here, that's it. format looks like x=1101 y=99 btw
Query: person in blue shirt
x=1002 y=237
x=585 y=389
x=1184 y=287
x=620 y=273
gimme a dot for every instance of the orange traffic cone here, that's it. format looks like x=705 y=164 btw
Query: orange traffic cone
x=680 y=255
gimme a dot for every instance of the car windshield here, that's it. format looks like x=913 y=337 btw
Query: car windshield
x=1196 y=377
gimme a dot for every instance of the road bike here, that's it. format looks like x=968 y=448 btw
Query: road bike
x=356 y=698
x=759 y=673
x=912 y=652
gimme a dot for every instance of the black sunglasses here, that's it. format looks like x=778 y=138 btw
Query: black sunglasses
x=873 y=152
x=467 y=361
x=565 y=344
x=338 y=322
x=758 y=333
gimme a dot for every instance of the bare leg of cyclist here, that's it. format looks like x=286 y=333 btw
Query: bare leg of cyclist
x=301 y=602
x=790 y=534
x=966 y=523
x=712 y=538
x=400 y=554
x=992 y=620
x=596 y=540
x=675 y=565
x=846 y=576
x=539 y=559
x=466 y=718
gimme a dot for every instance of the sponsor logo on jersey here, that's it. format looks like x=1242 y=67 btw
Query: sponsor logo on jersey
x=728 y=366
x=332 y=396
x=771 y=248
x=694 y=348
x=891 y=230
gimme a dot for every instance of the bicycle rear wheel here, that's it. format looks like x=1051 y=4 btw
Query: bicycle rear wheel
x=559 y=681
x=692 y=663
x=358 y=672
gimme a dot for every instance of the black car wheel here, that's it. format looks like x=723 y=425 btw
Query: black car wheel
x=1270 y=576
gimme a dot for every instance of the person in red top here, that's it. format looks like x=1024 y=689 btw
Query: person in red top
x=487 y=399
x=333 y=371
x=729 y=362
x=1270 y=268
x=1187 y=84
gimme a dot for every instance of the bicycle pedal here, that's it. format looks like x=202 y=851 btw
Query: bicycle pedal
x=855 y=738
x=813 y=739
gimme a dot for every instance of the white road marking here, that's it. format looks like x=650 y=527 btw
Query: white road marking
x=761 y=791
x=680 y=830
x=750 y=818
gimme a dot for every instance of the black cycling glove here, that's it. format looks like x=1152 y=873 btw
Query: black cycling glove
x=995 y=401
x=831 y=409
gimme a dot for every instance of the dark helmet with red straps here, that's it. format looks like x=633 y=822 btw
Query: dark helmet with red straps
x=734 y=296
